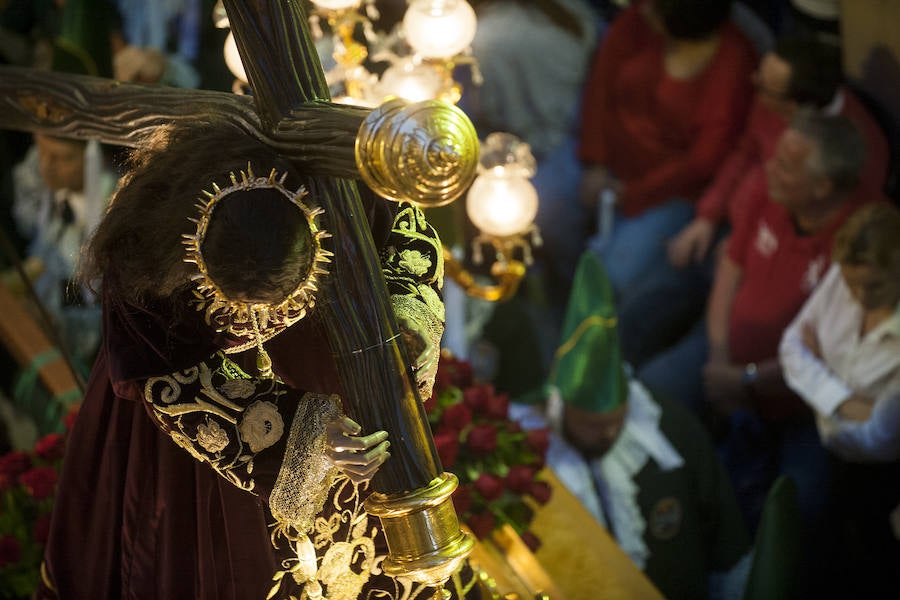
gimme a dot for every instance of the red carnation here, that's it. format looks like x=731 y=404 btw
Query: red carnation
x=50 y=447
x=42 y=529
x=11 y=466
x=39 y=481
x=70 y=417
x=442 y=380
x=481 y=524
x=538 y=440
x=10 y=551
x=462 y=499
x=531 y=540
x=489 y=486
x=482 y=439
x=447 y=445
x=540 y=491
x=519 y=478
x=476 y=397
x=457 y=416
x=497 y=406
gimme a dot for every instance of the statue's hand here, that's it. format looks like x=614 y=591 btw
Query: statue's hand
x=357 y=456
x=423 y=353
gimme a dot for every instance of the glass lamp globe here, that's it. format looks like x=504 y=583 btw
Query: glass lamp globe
x=439 y=28
x=502 y=203
x=411 y=82
x=233 y=58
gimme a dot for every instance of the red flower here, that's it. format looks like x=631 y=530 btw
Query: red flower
x=69 y=419
x=430 y=404
x=50 y=447
x=538 y=440
x=462 y=377
x=477 y=397
x=10 y=551
x=447 y=445
x=540 y=491
x=457 y=416
x=462 y=499
x=489 y=486
x=442 y=380
x=39 y=481
x=11 y=466
x=531 y=540
x=482 y=524
x=513 y=427
x=519 y=478
x=42 y=528
x=482 y=439
x=497 y=406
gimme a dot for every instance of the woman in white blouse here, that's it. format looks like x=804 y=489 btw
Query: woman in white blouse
x=842 y=352
x=842 y=356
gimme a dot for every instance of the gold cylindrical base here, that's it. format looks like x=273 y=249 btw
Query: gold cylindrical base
x=422 y=530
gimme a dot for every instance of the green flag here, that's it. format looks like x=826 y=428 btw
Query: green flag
x=587 y=368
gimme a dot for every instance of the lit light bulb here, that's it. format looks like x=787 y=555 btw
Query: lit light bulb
x=411 y=82
x=233 y=58
x=439 y=28
x=501 y=202
x=336 y=4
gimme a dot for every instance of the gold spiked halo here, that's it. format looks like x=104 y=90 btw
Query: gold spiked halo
x=256 y=322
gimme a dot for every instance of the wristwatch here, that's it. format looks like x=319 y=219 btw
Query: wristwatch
x=748 y=378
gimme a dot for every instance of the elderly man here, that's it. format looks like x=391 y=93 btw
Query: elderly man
x=800 y=71
x=777 y=254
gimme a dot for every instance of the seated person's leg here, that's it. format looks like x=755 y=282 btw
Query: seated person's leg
x=806 y=461
x=660 y=310
x=637 y=243
x=675 y=373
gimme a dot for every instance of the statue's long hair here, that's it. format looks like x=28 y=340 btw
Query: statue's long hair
x=256 y=239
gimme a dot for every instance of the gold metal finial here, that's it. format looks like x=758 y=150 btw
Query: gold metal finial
x=425 y=543
x=425 y=153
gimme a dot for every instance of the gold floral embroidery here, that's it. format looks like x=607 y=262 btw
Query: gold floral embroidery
x=414 y=262
x=261 y=426
x=200 y=409
x=212 y=437
x=238 y=388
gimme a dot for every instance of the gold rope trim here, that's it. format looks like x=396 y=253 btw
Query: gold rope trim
x=593 y=320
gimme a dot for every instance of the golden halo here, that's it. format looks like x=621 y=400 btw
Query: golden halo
x=237 y=317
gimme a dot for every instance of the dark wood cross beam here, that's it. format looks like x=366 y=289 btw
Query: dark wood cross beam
x=292 y=112
x=318 y=137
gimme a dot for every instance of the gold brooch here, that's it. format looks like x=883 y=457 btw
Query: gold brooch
x=258 y=321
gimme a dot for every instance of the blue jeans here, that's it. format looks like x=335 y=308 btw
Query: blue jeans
x=664 y=305
x=675 y=374
x=636 y=244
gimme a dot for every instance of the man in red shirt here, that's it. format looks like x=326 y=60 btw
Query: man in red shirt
x=801 y=71
x=775 y=257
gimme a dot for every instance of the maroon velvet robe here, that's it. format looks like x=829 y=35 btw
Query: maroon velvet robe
x=136 y=515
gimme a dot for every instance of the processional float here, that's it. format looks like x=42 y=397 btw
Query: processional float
x=426 y=153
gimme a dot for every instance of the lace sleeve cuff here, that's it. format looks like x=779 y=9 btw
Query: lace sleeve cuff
x=306 y=475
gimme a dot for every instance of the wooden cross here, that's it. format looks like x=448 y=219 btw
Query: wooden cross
x=292 y=113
